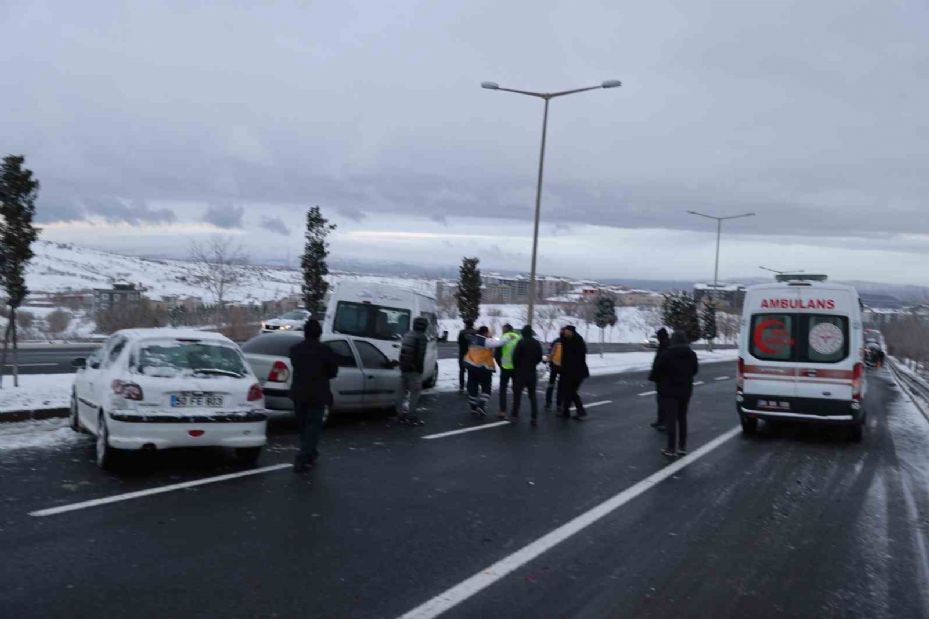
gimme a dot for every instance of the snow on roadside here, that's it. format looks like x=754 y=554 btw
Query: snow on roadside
x=35 y=392
x=37 y=435
x=610 y=363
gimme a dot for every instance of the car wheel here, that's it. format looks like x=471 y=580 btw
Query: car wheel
x=106 y=455
x=429 y=384
x=749 y=424
x=74 y=418
x=248 y=455
x=856 y=432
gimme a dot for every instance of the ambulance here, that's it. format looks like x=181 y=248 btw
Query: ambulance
x=801 y=350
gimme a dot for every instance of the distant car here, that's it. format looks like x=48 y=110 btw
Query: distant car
x=650 y=342
x=148 y=389
x=291 y=321
x=367 y=378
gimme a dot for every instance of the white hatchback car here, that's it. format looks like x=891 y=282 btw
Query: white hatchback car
x=291 y=321
x=148 y=389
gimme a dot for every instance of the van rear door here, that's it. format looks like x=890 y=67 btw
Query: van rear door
x=770 y=371
x=824 y=353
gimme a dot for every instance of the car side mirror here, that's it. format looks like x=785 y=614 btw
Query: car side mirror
x=79 y=363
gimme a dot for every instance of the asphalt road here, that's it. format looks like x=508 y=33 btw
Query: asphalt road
x=797 y=522
x=56 y=359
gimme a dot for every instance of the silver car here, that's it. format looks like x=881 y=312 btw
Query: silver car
x=367 y=379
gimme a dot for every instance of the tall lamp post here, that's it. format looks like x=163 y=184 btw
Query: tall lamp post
x=719 y=230
x=545 y=96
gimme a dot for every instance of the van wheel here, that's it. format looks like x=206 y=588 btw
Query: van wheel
x=749 y=424
x=429 y=384
x=856 y=432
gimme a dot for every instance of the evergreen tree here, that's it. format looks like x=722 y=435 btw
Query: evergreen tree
x=469 y=289
x=18 y=191
x=605 y=316
x=680 y=313
x=709 y=322
x=313 y=262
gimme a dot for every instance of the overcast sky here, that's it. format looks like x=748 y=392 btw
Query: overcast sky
x=151 y=124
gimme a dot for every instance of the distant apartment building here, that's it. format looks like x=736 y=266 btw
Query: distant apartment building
x=728 y=297
x=121 y=295
x=504 y=289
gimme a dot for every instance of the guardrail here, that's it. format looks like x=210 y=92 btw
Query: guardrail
x=918 y=390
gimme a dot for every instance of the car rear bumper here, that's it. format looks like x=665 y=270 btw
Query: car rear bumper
x=849 y=419
x=138 y=431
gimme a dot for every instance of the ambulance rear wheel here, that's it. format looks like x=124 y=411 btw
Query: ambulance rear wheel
x=856 y=432
x=749 y=424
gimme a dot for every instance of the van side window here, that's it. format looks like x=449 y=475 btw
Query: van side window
x=772 y=337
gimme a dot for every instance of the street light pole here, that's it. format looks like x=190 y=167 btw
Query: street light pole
x=538 y=190
x=719 y=232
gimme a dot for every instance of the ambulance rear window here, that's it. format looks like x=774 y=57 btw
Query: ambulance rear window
x=800 y=338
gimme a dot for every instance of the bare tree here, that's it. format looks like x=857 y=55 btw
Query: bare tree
x=57 y=321
x=547 y=318
x=218 y=267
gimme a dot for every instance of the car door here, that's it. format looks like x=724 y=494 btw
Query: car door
x=348 y=387
x=382 y=378
x=83 y=386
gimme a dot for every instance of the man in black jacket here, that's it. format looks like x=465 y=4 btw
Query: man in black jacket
x=663 y=341
x=573 y=371
x=314 y=365
x=464 y=341
x=526 y=356
x=675 y=373
x=412 y=362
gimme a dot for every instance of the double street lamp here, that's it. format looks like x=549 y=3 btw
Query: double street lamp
x=545 y=96
x=719 y=229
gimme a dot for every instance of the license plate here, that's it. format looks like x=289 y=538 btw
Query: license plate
x=196 y=400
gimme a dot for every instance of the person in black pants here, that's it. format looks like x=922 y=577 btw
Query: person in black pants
x=573 y=372
x=464 y=340
x=675 y=373
x=526 y=356
x=663 y=341
x=314 y=365
x=554 y=369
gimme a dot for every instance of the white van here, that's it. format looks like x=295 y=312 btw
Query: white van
x=801 y=354
x=381 y=314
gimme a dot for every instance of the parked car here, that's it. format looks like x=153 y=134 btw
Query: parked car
x=367 y=378
x=291 y=321
x=152 y=389
x=650 y=342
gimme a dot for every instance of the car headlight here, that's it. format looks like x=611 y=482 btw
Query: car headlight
x=286 y=327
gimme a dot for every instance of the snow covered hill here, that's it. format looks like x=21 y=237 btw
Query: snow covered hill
x=61 y=267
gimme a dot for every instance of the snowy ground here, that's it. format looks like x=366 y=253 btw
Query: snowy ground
x=35 y=392
x=37 y=434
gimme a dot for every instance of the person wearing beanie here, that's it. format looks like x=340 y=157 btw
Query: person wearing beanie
x=554 y=369
x=464 y=341
x=481 y=367
x=412 y=362
x=314 y=365
x=573 y=372
x=505 y=361
x=527 y=355
x=675 y=373
x=663 y=341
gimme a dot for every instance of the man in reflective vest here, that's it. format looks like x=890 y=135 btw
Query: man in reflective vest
x=510 y=339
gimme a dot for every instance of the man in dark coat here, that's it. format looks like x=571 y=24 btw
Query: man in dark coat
x=412 y=362
x=464 y=341
x=526 y=356
x=314 y=365
x=664 y=341
x=573 y=372
x=675 y=373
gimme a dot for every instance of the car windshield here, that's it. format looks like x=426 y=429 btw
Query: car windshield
x=295 y=315
x=180 y=357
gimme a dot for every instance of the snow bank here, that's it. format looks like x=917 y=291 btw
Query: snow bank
x=36 y=392
x=610 y=363
x=37 y=434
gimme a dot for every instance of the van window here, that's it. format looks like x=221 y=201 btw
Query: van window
x=801 y=338
x=374 y=321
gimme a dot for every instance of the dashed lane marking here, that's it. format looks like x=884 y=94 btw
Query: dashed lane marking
x=475 y=584
x=61 y=509
x=721 y=378
x=485 y=426
x=645 y=393
x=698 y=383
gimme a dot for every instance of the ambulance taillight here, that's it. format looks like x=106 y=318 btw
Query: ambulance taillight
x=856 y=381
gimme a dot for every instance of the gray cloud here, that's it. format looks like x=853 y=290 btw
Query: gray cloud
x=108 y=208
x=351 y=213
x=275 y=225
x=224 y=215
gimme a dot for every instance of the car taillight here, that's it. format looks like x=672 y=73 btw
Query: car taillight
x=127 y=391
x=279 y=373
x=856 y=381
x=254 y=393
x=740 y=377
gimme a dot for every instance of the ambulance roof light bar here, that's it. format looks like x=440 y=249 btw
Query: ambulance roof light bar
x=800 y=277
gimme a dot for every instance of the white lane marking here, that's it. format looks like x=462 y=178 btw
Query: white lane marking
x=644 y=393
x=721 y=378
x=34 y=365
x=698 y=383
x=594 y=404
x=160 y=490
x=485 y=426
x=462 y=591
